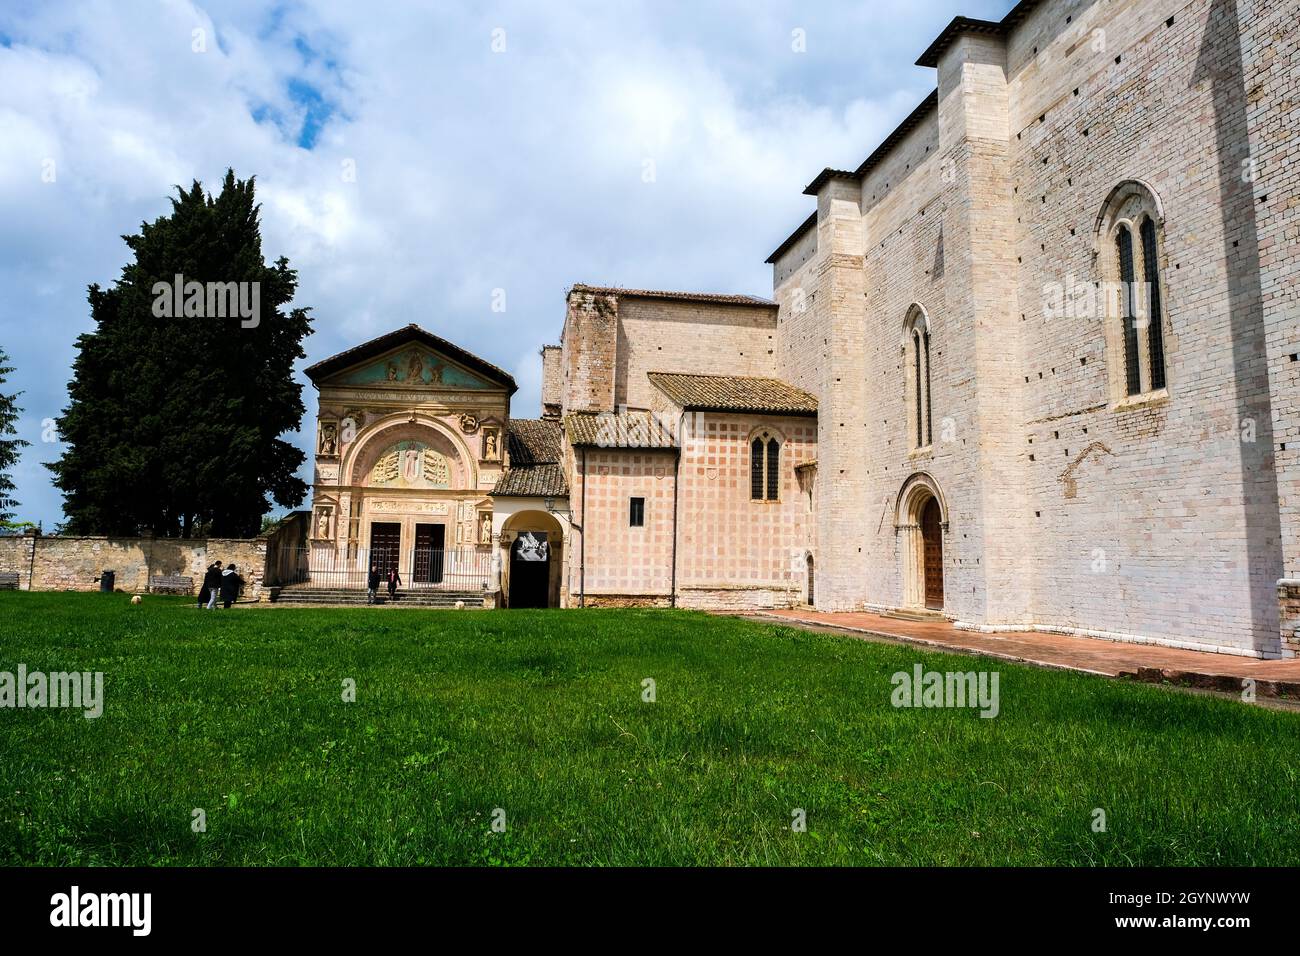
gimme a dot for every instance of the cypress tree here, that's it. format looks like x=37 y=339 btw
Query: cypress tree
x=175 y=413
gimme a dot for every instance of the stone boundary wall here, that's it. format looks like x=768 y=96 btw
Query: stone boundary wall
x=75 y=563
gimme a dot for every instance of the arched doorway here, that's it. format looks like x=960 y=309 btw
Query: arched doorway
x=932 y=555
x=532 y=564
x=921 y=521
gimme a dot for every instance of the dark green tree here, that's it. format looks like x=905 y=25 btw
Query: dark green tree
x=9 y=441
x=175 y=413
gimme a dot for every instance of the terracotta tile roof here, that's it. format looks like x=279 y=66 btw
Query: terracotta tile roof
x=619 y=430
x=714 y=298
x=534 y=450
x=734 y=393
x=534 y=441
x=534 y=481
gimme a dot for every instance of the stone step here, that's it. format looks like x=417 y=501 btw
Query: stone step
x=336 y=596
x=475 y=603
x=915 y=614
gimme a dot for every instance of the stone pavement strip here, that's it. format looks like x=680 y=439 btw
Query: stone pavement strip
x=1145 y=662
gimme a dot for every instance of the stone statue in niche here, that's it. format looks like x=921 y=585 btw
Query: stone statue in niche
x=329 y=440
x=323 y=524
x=485 y=528
x=491 y=451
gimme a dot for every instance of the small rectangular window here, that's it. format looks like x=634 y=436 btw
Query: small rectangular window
x=636 y=514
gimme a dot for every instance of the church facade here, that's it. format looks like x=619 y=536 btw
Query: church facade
x=1030 y=365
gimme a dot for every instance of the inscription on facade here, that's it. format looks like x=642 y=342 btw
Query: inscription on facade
x=386 y=506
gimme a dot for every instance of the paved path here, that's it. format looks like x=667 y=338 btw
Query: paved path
x=1225 y=672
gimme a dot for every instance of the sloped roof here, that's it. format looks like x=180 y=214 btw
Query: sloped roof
x=534 y=481
x=734 y=393
x=794 y=237
x=618 y=430
x=534 y=441
x=714 y=298
x=398 y=337
x=534 y=450
x=962 y=25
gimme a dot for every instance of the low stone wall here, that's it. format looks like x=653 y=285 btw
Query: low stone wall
x=701 y=599
x=75 y=563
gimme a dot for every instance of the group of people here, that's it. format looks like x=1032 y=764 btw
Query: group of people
x=372 y=583
x=218 y=583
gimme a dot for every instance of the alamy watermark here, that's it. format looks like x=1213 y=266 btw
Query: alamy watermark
x=922 y=688
x=75 y=908
x=1073 y=299
x=209 y=300
x=82 y=690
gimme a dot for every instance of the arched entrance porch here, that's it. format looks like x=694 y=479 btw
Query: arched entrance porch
x=532 y=560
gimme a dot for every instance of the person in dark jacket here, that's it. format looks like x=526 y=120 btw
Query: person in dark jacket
x=372 y=584
x=211 y=585
x=394 y=581
x=231 y=582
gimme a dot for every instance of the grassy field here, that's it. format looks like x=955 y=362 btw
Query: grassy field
x=540 y=714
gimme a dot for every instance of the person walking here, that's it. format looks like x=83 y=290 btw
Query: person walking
x=211 y=585
x=230 y=585
x=394 y=581
x=372 y=585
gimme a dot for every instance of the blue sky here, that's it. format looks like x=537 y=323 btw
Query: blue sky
x=476 y=169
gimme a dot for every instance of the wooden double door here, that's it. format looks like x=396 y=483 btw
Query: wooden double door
x=427 y=564
x=385 y=545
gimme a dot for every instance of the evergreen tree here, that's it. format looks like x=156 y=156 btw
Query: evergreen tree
x=175 y=413
x=9 y=442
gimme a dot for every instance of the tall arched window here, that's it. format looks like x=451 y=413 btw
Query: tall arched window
x=916 y=331
x=765 y=467
x=1129 y=231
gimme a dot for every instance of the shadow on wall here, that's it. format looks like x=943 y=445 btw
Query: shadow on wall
x=1220 y=63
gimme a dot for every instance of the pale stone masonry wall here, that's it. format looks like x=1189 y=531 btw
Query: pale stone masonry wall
x=661 y=335
x=589 y=352
x=1171 y=532
x=552 y=378
x=76 y=563
x=1152 y=521
x=1271 y=47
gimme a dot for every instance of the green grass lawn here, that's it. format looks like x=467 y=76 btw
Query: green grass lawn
x=240 y=713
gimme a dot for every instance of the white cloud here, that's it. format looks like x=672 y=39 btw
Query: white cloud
x=474 y=171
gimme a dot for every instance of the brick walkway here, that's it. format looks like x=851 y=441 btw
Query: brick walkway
x=1224 y=672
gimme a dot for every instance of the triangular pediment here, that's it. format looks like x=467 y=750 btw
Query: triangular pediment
x=413 y=358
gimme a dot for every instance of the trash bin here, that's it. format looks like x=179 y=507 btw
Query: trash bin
x=106 y=580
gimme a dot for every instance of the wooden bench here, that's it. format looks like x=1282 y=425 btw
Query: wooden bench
x=9 y=581
x=171 y=584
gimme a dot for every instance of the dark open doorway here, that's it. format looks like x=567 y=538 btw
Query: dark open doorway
x=530 y=571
